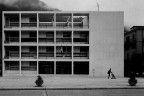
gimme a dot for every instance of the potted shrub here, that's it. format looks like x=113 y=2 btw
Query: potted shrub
x=132 y=80
x=39 y=81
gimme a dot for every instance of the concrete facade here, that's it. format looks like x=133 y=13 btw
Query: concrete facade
x=72 y=43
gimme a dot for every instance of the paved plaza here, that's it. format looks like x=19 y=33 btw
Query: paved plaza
x=95 y=92
x=67 y=82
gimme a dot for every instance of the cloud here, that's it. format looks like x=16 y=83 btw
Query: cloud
x=24 y=5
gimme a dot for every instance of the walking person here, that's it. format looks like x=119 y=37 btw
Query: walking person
x=109 y=72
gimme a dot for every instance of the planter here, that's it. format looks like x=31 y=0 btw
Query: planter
x=132 y=82
x=39 y=81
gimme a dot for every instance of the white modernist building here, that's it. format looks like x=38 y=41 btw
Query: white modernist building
x=62 y=43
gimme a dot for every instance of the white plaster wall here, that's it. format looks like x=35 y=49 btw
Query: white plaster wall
x=107 y=43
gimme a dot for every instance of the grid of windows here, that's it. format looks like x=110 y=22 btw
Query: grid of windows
x=39 y=42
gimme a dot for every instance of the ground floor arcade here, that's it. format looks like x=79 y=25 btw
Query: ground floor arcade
x=24 y=68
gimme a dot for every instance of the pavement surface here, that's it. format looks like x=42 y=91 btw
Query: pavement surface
x=67 y=83
x=95 y=92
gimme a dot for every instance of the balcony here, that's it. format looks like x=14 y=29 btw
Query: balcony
x=46 y=37
x=81 y=52
x=46 y=20
x=81 y=37
x=28 y=52
x=11 y=20
x=29 y=37
x=63 y=20
x=63 y=52
x=81 y=21
x=28 y=55
x=63 y=37
x=11 y=52
x=28 y=20
x=46 y=52
x=11 y=37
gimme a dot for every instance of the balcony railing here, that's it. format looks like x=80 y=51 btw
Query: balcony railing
x=46 y=40
x=29 y=55
x=46 y=55
x=33 y=24
x=12 y=55
x=12 y=24
x=12 y=68
x=30 y=68
x=80 y=25
x=46 y=24
x=29 y=39
x=81 y=40
x=63 y=25
x=64 y=40
x=64 y=55
x=81 y=55
x=12 y=40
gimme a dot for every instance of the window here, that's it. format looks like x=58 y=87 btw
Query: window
x=127 y=56
x=127 y=39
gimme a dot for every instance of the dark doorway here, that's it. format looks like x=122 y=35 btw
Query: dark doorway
x=63 y=68
x=46 y=67
x=81 y=68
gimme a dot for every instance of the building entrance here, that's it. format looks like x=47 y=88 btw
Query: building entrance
x=46 y=67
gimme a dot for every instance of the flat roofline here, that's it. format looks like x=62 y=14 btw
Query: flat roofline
x=58 y=11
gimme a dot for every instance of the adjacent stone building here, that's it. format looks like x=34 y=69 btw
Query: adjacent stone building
x=134 y=48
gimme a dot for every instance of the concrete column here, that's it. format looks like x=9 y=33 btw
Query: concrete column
x=20 y=44
x=72 y=46
x=3 y=50
x=55 y=67
x=72 y=67
x=54 y=43
x=37 y=43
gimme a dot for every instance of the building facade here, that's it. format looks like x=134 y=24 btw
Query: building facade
x=62 y=43
x=134 y=48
